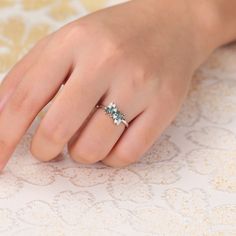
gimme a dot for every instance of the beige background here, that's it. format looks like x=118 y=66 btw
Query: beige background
x=185 y=185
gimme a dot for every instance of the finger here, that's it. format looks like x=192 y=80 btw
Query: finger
x=39 y=85
x=12 y=79
x=141 y=134
x=68 y=112
x=100 y=134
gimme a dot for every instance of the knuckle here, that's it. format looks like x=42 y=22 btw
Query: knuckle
x=67 y=37
x=138 y=80
x=139 y=75
x=73 y=32
x=107 y=46
x=83 y=156
x=19 y=100
x=23 y=100
x=125 y=158
x=142 y=74
x=109 y=53
x=111 y=48
x=52 y=131
x=116 y=53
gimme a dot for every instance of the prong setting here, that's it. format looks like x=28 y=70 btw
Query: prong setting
x=113 y=111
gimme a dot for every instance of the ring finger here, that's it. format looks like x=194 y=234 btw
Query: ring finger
x=100 y=134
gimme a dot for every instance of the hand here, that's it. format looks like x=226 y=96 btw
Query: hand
x=141 y=56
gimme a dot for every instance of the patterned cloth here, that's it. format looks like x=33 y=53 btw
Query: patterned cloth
x=184 y=185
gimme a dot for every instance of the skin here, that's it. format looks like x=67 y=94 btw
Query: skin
x=140 y=55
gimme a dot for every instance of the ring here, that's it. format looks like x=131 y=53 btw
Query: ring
x=113 y=111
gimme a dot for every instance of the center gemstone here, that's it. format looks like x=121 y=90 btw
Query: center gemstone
x=113 y=111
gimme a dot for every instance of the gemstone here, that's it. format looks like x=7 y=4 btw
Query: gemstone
x=118 y=117
x=114 y=113
x=111 y=108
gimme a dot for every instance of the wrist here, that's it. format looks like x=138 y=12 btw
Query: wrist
x=208 y=23
x=215 y=20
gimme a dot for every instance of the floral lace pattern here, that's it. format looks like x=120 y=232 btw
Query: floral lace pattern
x=184 y=185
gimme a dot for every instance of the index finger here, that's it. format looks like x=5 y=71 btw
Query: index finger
x=37 y=87
x=13 y=78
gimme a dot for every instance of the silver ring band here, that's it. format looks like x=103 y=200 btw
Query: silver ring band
x=114 y=113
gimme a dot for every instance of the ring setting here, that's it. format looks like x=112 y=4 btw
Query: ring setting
x=113 y=111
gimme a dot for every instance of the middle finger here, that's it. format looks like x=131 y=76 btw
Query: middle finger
x=68 y=112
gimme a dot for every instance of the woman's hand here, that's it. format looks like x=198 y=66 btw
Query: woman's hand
x=140 y=55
